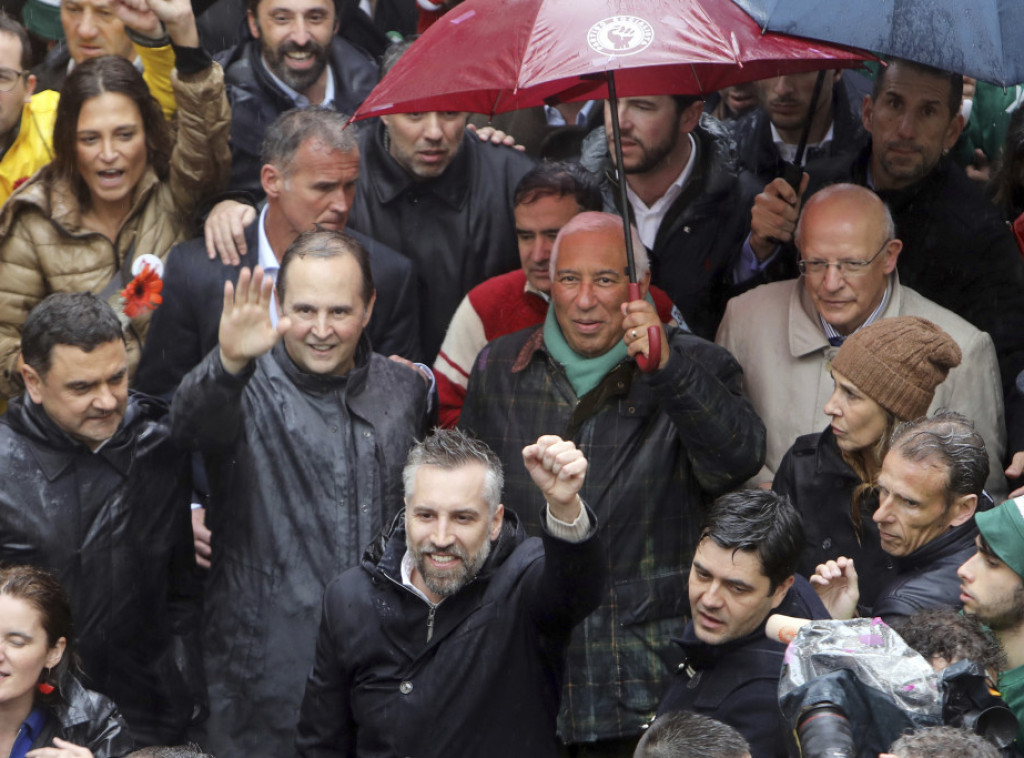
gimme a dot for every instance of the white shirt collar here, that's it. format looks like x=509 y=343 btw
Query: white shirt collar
x=267 y=260
x=648 y=219
x=300 y=100
x=788 y=151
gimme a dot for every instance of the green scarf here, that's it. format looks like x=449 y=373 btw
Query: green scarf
x=584 y=373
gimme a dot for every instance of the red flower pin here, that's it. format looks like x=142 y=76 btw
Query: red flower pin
x=142 y=292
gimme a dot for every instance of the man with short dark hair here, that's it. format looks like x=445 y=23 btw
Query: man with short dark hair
x=310 y=167
x=303 y=431
x=931 y=483
x=682 y=734
x=659 y=445
x=26 y=117
x=682 y=184
x=992 y=590
x=744 y=568
x=442 y=199
x=294 y=60
x=453 y=631
x=92 y=488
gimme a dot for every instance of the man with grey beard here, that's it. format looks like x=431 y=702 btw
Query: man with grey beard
x=457 y=612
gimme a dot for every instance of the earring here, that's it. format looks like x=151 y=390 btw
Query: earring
x=45 y=687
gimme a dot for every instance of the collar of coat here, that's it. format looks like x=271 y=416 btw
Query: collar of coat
x=390 y=180
x=354 y=380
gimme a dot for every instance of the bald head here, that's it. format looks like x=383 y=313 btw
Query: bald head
x=848 y=249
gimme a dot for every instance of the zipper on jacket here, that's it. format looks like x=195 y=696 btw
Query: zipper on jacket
x=430 y=622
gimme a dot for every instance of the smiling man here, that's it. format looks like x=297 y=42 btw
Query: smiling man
x=659 y=445
x=303 y=431
x=94 y=490
x=785 y=334
x=931 y=483
x=454 y=629
x=743 y=570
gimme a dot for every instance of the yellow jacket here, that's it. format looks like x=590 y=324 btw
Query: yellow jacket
x=33 y=147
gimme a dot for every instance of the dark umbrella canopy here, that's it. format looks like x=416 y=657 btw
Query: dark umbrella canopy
x=979 y=38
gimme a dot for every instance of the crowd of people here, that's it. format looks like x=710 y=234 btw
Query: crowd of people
x=332 y=439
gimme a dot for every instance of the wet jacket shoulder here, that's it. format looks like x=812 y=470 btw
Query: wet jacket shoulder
x=701 y=234
x=44 y=247
x=256 y=100
x=927 y=577
x=87 y=719
x=388 y=662
x=132 y=583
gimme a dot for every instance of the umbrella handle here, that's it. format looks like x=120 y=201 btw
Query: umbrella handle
x=648 y=363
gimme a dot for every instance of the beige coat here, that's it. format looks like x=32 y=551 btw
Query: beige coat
x=775 y=334
x=44 y=249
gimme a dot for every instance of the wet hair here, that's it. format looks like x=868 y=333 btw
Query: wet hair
x=323 y=244
x=252 y=6
x=558 y=179
x=92 y=78
x=76 y=319
x=762 y=522
x=452 y=449
x=684 y=101
x=952 y=635
x=294 y=128
x=1008 y=189
x=181 y=751
x=943 y=742
x=41 y=590
x=947 y=439
x=956 y=81
x=680 y=734
x=12 y=27
x=610 y=223
x=394 y=51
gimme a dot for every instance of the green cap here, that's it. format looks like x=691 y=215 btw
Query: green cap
x=42 y=18
x=1003 y=529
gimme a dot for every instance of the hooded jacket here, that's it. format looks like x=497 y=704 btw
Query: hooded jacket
x=113 y=525
x=304 y=469
x=478 y=674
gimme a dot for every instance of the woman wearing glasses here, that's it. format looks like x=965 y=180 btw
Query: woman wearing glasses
x=883 y=374
x=119 y=187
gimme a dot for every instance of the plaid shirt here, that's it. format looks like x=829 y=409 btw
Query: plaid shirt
x=659 y=447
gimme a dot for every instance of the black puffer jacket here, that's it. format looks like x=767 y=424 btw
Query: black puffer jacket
x=256 y=100
x=87 y=719
x=702 y=233
x=391 y=670
x=114 y=526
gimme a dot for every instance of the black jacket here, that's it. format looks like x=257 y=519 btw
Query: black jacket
x=185 y=326
x=304 y=470
x=484 y=682
x=457 y=229
x=702 y=233
x=927 y=577
x=820 y=484
x=88 y=719
x=256 y=100
x=114 y=527
x=738 y=682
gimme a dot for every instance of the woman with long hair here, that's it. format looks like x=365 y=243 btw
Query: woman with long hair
x=120 y=185
x=45 y=712
x=884 y=373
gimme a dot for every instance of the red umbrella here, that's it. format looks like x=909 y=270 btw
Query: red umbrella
x=492 y=56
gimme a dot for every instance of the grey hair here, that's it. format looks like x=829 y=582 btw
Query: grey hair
x=681 y=733
x=943 y=742
x=452 y=449
x=597 y=221
x=391 y=55
x=823 y=195
x=293 y=128
x=949 y=439
x=182 y=751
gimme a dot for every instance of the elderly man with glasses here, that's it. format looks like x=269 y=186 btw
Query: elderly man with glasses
x=785 y=334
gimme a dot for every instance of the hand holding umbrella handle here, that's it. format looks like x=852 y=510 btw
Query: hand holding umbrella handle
x=648 y=363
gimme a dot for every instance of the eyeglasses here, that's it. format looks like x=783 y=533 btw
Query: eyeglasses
x=845 y=268
x=9 y=77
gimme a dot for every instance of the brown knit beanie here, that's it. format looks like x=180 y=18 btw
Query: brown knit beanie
x=898 y=363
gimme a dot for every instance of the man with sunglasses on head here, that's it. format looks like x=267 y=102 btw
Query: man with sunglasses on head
x=785 y=334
